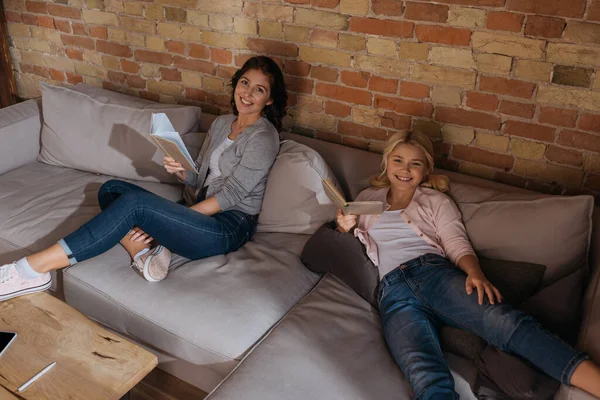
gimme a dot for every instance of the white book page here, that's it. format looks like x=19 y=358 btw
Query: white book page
x=162 y=127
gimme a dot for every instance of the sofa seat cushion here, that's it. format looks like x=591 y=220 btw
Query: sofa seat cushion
x=40 y=203
x=206 y=311
x=330 y=346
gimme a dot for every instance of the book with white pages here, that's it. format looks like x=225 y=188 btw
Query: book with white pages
x=351 y=207
x=169 y=141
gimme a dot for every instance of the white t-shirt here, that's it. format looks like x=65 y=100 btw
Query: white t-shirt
x=396 y=242
x=213 y=166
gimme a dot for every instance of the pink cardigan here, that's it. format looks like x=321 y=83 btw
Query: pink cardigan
x=431 y=214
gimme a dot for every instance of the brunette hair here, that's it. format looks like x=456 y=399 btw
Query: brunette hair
x=276 y=110
x=417 y=139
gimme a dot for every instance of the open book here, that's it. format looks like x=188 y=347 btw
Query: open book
x=353 y=207
x=169 y=141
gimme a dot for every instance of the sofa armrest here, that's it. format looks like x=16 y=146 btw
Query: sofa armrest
x=590 y=327
x=20 y=127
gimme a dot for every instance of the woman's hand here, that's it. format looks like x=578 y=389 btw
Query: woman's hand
x=173 y=167
x=139 y=236
x=477 y=280
x=345 y=222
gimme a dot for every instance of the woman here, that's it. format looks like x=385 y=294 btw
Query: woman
x=234 y=163
x=417 y=244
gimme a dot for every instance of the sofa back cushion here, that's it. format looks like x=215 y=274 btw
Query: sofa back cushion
x=99 y=131
x=295 y=201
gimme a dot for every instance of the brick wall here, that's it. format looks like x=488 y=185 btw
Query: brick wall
x=508 y=89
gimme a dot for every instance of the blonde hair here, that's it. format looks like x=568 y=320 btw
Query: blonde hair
x=417 y=139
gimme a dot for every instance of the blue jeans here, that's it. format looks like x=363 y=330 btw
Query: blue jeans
x=422 y=294
x=181 y=230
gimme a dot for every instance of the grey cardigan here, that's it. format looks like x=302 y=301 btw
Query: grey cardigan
x=244 y=165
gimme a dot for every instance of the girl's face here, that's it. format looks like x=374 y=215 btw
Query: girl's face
x=406 y=167
x=252 y=92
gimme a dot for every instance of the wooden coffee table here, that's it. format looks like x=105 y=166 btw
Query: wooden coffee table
x=91 y=362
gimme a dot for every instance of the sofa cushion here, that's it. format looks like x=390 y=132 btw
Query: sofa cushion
x=330 y=346
x=206 y=311
x=295 y=201
x=40 y=203
x=102 y=132
x=19 y=135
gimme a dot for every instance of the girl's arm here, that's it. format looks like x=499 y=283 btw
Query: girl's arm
x=477 y=280
x=208 y=206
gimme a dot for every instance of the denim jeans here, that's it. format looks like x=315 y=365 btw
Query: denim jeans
x=180 y=229
x=424 y=293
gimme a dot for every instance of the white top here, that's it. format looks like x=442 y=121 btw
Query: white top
x=396 y=242
x=213 y=166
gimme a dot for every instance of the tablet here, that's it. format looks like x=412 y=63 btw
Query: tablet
x=6 y=338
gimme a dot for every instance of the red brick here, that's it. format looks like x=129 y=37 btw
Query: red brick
x=564 y=156
x=79 y=28
x=443 y=34
x=594 y=11
x=392 y=8
x=337 y=109
x=226 y=72
x=547 y=27
x=63 y=11
x=589 y=122
x=221 y=56
x=378 y=84
x=110 y=86
x=12 y=16
x=114 y=76
x=298 y=68
x=36 y=7
x=558 y=116
x=153 y=57
x=323 y=36
x=170 y=74
x=402 y=106
x=45 y=22
x=504 y=21
x=74 y=54
x=482 y=101
x=468 y=118
x=29 y=19
x=73 y=78
x=325 y=3
x=149 y=96
x=356 y=143
x=523 y=110
x=99 y=32
x=328 y=137
x=193 y=65
x=344 y=94
x=356 y=79
x=299 y=85
x=563 y=8
x=383 y=27
x=129 y=67
x=113 y=49
x=488 y=3
x=175 y=47
x=136 y=81
x=199 y=51
x=298 y=1
x=272 y=47
x=222 y=100
x=195 y=94
x=396 y=121
x=530 y=131
x=63 y=26
x=240 y=59
x=352 y=129
x=292 y=99
x=510 y=179
x=510 y=87
x=34 y=69
x=480 y=156
x=593 y=183
x=426 y=12
x=324 y=73
x=579 y=140
x=415 y=90
x=77 y=41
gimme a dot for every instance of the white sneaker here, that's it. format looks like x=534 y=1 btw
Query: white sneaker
x=12 y=285
x=154 y=265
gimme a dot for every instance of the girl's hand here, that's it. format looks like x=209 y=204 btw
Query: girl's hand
x=173 y=167
x=345 y=222
x=138 y=235
x=476 y=280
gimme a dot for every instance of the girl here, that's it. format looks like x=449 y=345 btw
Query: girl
x=226 y=196
x=417 y=244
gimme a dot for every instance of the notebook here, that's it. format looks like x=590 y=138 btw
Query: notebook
x=169 y=141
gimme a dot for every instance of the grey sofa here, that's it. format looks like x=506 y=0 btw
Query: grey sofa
x=256 y=323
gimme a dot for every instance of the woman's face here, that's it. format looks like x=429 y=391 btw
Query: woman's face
x=406 y=167
x=252 y=92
